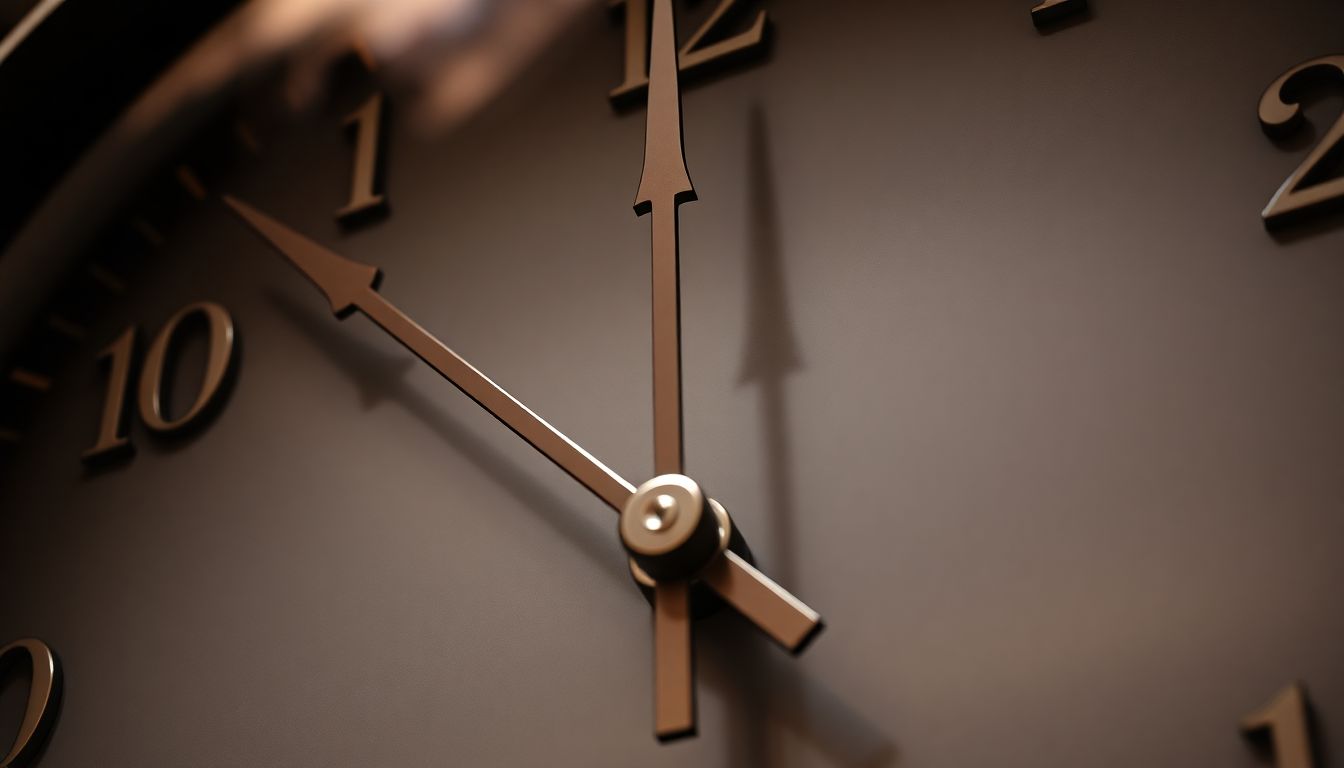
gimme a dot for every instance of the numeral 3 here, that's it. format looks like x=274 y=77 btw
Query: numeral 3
x=694 y=56
x=1306 y=190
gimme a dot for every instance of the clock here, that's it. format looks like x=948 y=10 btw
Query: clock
x=1003 y=337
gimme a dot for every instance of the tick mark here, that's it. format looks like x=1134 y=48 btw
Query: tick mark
x=243 y=132
x=66 y=327
x=26 y=378
x=106 y=279
x=187 y=178
x=151 y=235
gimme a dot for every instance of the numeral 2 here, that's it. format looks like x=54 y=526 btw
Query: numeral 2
x=113 y=439
x=1307 y=189
x=692 y=57
x=365 y=197
x=1285 y=718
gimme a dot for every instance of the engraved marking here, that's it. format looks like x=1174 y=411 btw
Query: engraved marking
x=26 y=378
x=187 y=178
x=151 y=235
x=66 y=328
x=243 y=132
x=106 y=279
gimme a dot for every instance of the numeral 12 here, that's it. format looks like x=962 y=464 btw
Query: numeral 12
x=693 y=56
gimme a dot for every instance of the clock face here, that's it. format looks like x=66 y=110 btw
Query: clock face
x=985 y=349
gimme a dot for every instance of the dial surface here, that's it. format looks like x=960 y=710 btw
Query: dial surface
x=985 y=346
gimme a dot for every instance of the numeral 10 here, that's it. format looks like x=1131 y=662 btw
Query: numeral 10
x=693 y=56
x=113 y=438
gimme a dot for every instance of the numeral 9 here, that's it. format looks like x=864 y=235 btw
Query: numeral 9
x=43 y=697
x=220 y=362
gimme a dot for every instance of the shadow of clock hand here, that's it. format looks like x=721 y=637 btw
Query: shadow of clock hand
x=774 y=706
x=773 y=690
x=380 y=377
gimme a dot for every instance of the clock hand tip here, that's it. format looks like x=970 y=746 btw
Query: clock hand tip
x=806 y=641
x=344 y=281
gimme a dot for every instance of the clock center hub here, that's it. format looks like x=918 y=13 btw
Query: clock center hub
x=672 y=529
x=660 y=512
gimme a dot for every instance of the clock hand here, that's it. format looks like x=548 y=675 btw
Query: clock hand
x=663 y=186
x=350 y=285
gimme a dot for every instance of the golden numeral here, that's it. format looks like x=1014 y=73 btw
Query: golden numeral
x=692 y=56
x=43 y=696
x=364 y=194
x=113 y=437
x=1312 y=187
x=1285 y=718
x=219 y=362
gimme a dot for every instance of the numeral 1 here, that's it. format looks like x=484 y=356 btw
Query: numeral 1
x=692 y=56
x=43 y=699
x=113 y=438
x=1285 y=717
x=364 y=193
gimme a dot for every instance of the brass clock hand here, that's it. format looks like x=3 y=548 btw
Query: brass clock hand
x=350 y=285
x=663 y=186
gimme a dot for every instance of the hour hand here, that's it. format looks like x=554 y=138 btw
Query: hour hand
x=343 y=281
x=350 y=285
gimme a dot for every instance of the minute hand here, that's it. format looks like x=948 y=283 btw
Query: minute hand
x=350 y=285
x=663 y=187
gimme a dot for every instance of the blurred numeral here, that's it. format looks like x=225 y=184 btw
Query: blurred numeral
x=1285 y=720
x=694 y=55
x=365 y=196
